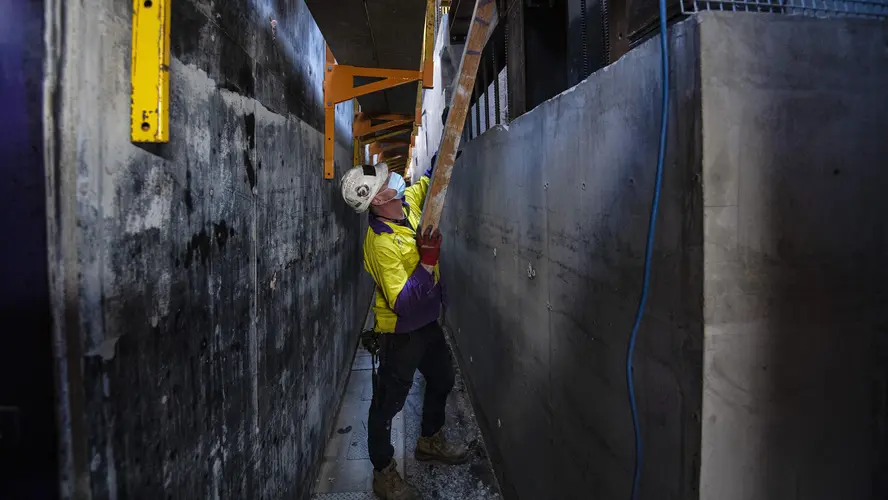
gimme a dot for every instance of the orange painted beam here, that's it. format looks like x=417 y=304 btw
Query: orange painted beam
x=364 y=128
x=329 y=124
x=339 y=84
x=394 y=133
x=390 y=146
x=427 y=65
x=388 y=117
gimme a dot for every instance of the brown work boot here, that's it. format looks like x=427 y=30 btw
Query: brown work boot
x=439 y=449
x=389 y=485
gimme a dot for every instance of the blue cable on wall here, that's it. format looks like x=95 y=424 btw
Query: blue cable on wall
x=652 y=226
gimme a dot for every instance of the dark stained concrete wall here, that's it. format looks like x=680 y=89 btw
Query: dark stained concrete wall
x=208 y=293
x=795 y=164
x=544 y=243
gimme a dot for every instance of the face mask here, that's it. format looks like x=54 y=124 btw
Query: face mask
x=397 y=183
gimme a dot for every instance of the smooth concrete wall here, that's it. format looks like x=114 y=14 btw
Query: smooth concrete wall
x=795 y=171
x=207 y=293
x=762 y=364
x=544 y=238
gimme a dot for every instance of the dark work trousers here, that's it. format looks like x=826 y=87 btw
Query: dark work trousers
x=400 y=355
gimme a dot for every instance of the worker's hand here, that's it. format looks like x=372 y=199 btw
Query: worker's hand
x=429 y=245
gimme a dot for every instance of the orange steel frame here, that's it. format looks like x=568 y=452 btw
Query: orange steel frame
x=363 y=128
x=382 y=147
x=339 y=87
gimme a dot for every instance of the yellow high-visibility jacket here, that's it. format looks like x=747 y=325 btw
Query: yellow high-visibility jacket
x=407 y=296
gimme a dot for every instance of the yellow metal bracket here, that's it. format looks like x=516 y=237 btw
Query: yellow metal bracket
x=428 y=47
x=428 y=74
x=150 y=104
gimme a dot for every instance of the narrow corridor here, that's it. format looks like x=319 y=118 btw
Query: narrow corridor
x=346 y=472
x=662 y=244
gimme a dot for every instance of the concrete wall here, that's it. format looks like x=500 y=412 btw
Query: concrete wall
x=545 y=232
x=207 y=293
x=763 y=354
x=27 y=440
x=795 y=113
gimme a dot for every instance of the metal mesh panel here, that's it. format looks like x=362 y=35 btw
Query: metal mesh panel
x=357 y=495
x=875 y=9
x=357 y=449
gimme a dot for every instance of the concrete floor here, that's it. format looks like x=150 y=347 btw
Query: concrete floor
x=347 y=474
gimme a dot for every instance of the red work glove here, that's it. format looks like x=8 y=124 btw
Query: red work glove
x=429 y=245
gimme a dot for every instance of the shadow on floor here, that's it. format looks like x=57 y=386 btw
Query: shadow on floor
x=346 y=473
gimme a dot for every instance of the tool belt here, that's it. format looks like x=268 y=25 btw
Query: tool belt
x=370 y=341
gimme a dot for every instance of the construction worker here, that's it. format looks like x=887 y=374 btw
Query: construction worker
x=408 y=301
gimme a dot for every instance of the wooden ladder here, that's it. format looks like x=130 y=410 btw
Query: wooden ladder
x=483 y=22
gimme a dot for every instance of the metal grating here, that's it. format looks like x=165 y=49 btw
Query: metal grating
x=357 y=447
x=872 y=9
x=353 y=495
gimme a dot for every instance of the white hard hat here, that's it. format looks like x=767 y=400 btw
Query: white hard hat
x=360 y=184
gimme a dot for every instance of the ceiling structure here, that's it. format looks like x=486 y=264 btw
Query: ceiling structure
x=459 y=20
x=375 y=34
x=385 y=34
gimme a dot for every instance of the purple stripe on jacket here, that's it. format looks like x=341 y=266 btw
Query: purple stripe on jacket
x=378 y=226
x=419 y=302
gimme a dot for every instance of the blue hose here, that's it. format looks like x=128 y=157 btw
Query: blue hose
x=652 y=226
